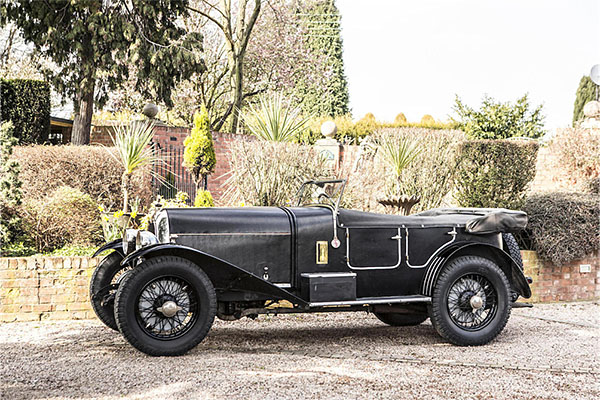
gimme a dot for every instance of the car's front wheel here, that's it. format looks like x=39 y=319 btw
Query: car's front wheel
x=165 y=306
x=470 y=303
x=397 y=319
x=103 y=287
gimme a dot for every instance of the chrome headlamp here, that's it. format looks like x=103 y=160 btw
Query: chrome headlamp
x=129 y=241
x=144 y=238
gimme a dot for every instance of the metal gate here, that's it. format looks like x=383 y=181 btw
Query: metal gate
x=170 y=176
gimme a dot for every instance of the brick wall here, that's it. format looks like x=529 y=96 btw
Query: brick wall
x=550 y=176
x=40 y=288
x=565 y=283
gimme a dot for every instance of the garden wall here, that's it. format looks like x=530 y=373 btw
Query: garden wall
x=40 y=288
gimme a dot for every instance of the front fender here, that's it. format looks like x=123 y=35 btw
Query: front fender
x=115 y=245
x=223 y=275
x=506 y=262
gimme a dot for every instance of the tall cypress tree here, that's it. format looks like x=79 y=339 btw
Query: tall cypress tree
x=586 y=92
x=323 y=22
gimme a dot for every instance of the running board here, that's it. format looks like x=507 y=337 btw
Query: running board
x=374 y=300
x=519 y=304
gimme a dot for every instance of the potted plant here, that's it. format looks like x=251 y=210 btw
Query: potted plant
x=397 y=154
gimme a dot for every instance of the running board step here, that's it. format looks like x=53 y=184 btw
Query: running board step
x=374 y=300
x=519 y=304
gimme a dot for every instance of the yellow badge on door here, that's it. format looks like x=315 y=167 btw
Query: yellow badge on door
x=322 y=249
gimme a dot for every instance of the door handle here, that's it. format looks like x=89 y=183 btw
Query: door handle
x=397 y=237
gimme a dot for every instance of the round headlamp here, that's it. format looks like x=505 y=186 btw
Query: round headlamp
x=144 y=238
x=129 y=240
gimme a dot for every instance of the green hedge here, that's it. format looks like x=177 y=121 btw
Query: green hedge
x=563 y=226
x=26 y=103
x=495 y=173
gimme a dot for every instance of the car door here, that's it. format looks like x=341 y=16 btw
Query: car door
x=373 y=248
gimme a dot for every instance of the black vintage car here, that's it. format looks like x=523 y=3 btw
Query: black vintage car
x=459 y=267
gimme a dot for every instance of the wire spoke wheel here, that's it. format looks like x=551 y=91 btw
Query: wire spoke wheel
x=167 y=308
x=472 y=302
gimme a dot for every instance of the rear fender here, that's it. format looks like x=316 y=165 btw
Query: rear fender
x=504 y=260
x=116 y=245
x=223 y=275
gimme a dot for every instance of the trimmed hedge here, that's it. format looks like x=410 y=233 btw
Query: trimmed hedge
x=495 y=173
x=563 y=226
x=91 y=169
x=26 y=103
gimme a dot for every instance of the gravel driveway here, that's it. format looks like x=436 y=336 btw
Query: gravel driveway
x=548 y=352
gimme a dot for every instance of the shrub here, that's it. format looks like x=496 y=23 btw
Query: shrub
x=10 y=185
x=199 y=154
x=400 y=119
x=579 y=152
x=563 y=226
x=203 y=199
x=87 y=168
x=495 y=173
x=26 y=103
x=497 y=120
x=430 y=176
x=270 y=173
x=427 y=120
x=67 y=216
x=586 y=92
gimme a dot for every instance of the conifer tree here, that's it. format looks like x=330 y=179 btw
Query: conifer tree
x=586 y=92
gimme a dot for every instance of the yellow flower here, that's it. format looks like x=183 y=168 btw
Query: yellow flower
x=118 y=214
x=242 y=204
x=101 y=208
x=133 y=214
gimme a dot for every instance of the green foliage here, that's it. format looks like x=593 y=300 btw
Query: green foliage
x=397 y=154
x=497 y=120
x=66 y=216
x=94 y=43
x=71 y=250
x=332 y=99
x=10 y=185
x=204 y=199
x=274 y=120
x=400 y=119
x=586 y=92
x=26 y=103
x=349 y=131
x=132 y=143
x=495 y=173
x=563 y=226
x=427 y=120
x=199 y=154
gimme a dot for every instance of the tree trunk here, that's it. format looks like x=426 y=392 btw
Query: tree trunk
x=82 y=125
x=125 y=180
x=238 y=96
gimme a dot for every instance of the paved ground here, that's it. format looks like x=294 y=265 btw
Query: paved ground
x=549 y=352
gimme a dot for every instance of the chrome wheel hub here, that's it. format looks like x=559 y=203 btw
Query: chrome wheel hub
x=169 y=309
x=476 y=303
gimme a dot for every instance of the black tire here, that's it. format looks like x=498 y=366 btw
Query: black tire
x=397 y=319
x=512 y=248
x=450 y=311
x=103 y=276
x=165 y=277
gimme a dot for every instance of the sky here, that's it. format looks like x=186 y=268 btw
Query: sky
x=415 y=56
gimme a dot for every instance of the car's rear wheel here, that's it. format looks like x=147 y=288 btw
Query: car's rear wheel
x=470 y=303
x=103 y=288
x=165 y=306
x=397 y=319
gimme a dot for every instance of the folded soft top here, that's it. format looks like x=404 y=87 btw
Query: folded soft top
x=474 y=220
